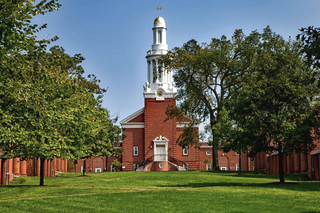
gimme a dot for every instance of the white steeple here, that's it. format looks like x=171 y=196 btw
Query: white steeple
x=159 y=83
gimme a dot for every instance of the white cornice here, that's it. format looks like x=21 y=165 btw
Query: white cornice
x=205 y=147
x=133 y=125
x=132 y=116
x=184 y=124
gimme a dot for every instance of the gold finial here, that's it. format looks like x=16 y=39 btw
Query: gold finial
x=159 y=8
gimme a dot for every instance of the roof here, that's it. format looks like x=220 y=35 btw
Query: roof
x=132 y=116
x=317 y=152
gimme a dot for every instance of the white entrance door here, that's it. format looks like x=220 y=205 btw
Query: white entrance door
x=160 y=153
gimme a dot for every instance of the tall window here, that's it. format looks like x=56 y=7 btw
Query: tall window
x=135 y=151
x=112 y=168
x=159 y=37
x=185 y=151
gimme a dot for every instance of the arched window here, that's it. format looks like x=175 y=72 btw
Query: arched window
x=159 y=37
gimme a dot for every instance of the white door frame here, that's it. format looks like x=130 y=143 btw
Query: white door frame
x=160 y=141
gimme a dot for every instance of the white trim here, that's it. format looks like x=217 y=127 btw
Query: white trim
x=96 y=169
x=185 y=124
x=223 y=168
x=209 y=152
x=185 y=151
x=205 y=146
x=132 y=116
x=160 y=141
x=152 y=94
x=112 y=168
x=134 y=125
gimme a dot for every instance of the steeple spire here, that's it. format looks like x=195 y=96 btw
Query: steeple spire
x=159 y=83
x=159 y=8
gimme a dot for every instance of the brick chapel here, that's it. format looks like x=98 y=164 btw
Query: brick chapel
x=150 y=143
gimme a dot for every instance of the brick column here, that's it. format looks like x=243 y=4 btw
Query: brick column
x=45 y=168
x=38 y=167
x=296 y=160
x=49 y=168
x=10 y=170
x=62 y=165
x=290 y=165
x=57 y=164
x=16 y=167
x=66 y=166
x=303 y=161
x=23 y=168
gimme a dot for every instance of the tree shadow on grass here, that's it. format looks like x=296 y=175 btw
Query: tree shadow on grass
x=295 y=186
x=262 y=175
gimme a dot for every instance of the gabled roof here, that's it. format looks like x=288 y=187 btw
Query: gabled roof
x=132 y=116
x=317 y=152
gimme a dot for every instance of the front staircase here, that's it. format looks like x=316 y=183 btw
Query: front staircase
x=171 y=165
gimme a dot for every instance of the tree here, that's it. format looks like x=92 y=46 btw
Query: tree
x=230 y=133
x=206 y=76
x=96 y=136
x=17 y=41
x=310 y=38
x=43 y=96
x=275 y=99
x=117 y=165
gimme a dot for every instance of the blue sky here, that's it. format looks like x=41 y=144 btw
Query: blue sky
x=114 y=35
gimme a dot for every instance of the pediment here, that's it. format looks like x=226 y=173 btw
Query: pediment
x=137 y=117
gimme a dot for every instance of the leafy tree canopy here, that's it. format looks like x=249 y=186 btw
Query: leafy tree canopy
x=272 y=110
x=206 y=75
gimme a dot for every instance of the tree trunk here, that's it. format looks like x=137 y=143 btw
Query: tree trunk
x=215 y=162
x=239 y=172
x=280 y=155
x=42 y=170
x=84 y=167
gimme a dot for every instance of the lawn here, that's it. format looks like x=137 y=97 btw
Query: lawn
x=190 y=191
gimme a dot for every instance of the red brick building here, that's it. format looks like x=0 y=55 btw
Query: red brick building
x=293 y=164
x=10 y=168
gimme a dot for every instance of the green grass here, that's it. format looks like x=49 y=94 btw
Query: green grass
x=190 y=191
